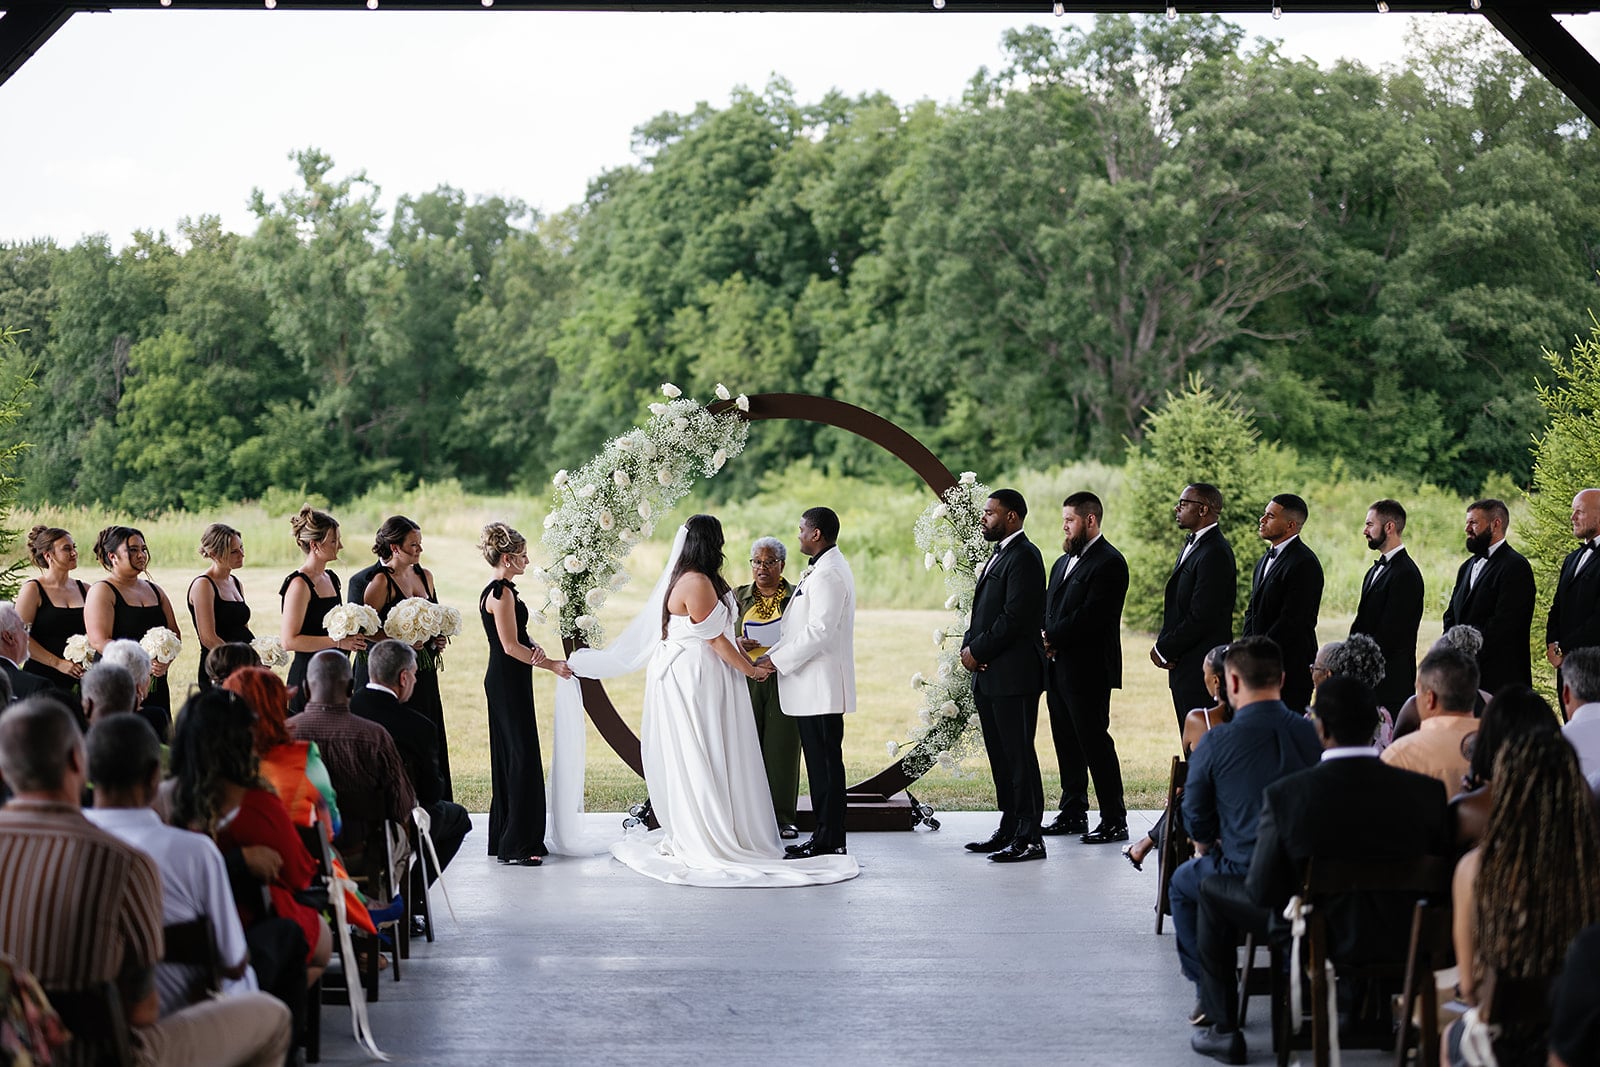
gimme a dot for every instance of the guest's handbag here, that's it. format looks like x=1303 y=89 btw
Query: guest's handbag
x=30 y=1030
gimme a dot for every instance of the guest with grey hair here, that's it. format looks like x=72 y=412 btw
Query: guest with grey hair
x=1462 y=638
x=14 y=653
x=128 y=654
x=108 y=689
x=1358 y=656
x=1580 y=697
x=761 y=607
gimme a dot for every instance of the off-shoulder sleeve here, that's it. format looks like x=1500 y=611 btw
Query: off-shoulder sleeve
x=713 y=625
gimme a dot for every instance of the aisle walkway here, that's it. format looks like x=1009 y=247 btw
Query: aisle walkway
x=932 y=955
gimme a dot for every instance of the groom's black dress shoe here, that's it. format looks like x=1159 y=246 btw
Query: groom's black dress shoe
x=1019 y=853
x=1106 y=833
x=1066 y=824
x=788 y=831
x=1227 y=1046
x=994 y=844
x=809 y=849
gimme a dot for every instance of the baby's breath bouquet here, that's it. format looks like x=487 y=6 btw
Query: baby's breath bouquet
x=614 y=501
x=161 y=643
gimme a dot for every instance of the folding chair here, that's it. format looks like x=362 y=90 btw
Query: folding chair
x=1175 y=847
x=1431 y=950
x=100 y=1035
x=194 y=944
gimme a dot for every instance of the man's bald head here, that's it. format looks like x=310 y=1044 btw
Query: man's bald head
x=1586 y=515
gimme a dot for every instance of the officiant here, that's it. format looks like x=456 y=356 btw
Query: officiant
x=761 y=606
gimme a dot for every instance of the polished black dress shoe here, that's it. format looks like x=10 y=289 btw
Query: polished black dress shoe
x=1224 y=1045
x=1067 y=824
x=1019 y=853
x=811 y=848
x=788 y=831
x=1106 y=833
x=794 y=850
x=993 y=844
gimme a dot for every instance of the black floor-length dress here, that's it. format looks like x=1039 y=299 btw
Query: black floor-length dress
x=51 y=628
x=310 y=626
x=517 y=804
x=425 y=698
x=132 y=622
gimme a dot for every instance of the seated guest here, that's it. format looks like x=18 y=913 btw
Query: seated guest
x=1358 y=656
x=1580 y=697
x=125 y=767
x=61 y=876
x=1575 y=1019
x=107 y=689
x=1222 y=796
x=392 y=670
x=1447 y=685
x=1525 y=893
x=227 y=658
x=1465 y=638
x=132 y=657
x=1514 y=711
x=1329 y=811
x=293 y=768
x=363 y=763
x=14 y=653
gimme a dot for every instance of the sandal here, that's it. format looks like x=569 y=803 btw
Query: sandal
x=523 y=861
x=1127 y=854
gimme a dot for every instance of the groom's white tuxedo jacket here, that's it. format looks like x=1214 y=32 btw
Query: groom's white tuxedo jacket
x=816 y=657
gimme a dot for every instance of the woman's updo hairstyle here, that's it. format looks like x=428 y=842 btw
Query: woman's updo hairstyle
x=41 y=539
x=111 y=539
x=311 y=527
x=217 y=539
x=500 y=540
x=391 y=535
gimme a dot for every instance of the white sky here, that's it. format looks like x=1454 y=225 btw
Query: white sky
x=131 y=120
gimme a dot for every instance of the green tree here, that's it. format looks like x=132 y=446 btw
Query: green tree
x=16 y=379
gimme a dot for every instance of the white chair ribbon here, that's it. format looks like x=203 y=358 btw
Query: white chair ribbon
x=359 y=1024
x=424 y=824
x=1295 y=913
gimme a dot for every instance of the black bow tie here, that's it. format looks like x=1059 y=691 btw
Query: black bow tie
x=1381 y=561
x=1591 y=546
x=1187 y=541
x=1272 y=553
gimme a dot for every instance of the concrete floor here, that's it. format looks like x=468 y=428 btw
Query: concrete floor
x=932 y=954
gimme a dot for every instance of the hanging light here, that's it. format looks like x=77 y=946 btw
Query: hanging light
x=1477 y=5
x=1172 y=13
x=1059 y=9
x=938 y=5
x=1383 y=7
x=271 y=4
x=166 y=3
x=372 y=5
x=1277 y=11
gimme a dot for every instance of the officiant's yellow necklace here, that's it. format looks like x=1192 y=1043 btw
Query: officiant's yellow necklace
x=766 y=607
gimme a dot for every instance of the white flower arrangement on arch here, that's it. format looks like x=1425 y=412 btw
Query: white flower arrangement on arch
x=612 y=502
x=950 y=534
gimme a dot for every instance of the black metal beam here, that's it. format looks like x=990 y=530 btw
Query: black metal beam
x=951 y=7
x=24 y=30
x=1548 y=46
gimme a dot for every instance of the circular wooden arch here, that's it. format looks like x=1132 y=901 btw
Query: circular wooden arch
x=805 y=408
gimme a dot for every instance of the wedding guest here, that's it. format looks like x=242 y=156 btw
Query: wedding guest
x=1523 y=894
x=227 y=658
x=1580 y=701
x=131 y=657
x=108 y=689
x=1575 y=1016
x=216 y=599
x=1447 y=682
x=516 y=774
x=1360 y=657
x=52 y=606
x=14 y=653
x=1514 y=711
x=762 y=602
x=308 y=594
x=1463 y=638
x=293 y=768
x=401 y=576
x=127 y=604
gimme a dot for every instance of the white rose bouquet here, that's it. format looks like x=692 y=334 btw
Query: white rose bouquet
x=421 y=623
x=270 y=650
x=347 y=619
x=162 y=644
x=79 y=651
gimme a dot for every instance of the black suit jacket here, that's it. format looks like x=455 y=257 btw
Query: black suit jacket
x=1390 y=613
x=1357 y=808
x=414 y=736
x=1283 y=606
x=23 y=684
x=1007 y=616
x=1574 y=620
x=1083 y=617
x=1500 y=606
x=1197 y=608
x=356 y=591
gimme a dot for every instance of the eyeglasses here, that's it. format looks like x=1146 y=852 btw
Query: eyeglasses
x=765 y=563
x=1319 y=667
x=1182 y=503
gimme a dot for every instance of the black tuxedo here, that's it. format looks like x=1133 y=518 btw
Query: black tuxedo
x=1197 y=616
x=1500 y=606
x=1083 y=626
x=23 y=684
x=1390 y=613
x=1355 y=808
x=1574 y=620
x=1284 y=602
x=1004 y=637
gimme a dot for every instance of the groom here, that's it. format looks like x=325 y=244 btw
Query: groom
x=816 y=664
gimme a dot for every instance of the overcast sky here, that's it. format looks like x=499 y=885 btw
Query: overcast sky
x=131 y=120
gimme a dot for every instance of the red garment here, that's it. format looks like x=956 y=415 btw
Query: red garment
x=261 y=819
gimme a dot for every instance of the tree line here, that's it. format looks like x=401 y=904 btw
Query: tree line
x=1372 y=260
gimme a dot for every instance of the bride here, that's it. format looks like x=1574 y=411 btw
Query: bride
x=702 y=759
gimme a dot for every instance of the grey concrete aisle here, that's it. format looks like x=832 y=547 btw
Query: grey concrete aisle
x=932 y=955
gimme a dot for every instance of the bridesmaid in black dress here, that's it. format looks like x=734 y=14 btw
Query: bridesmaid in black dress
x=126 y=604
x=52 y=606
x=400 y=576
x=216 y=599
x=516 y=804
x=308 y=595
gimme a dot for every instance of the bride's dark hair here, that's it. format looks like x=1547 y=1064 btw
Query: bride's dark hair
x=702 y=554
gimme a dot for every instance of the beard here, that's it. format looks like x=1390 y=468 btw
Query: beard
x=1375 y=543
x=994 y=533
x=1478 y=545
x=1076 y=544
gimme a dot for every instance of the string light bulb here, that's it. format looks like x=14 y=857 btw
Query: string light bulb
x=271 y=4
x=372 y=5
x=1059 y=9
x=1277 y=11
x=1172 y=13
x=938 y=5
x=1477 y=5
x=1383 y=7
x=166 y=3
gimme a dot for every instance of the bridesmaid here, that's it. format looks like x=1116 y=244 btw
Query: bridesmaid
x=400 y=576
x=216 y=599
x=52 y=607
x=308 y=595
x=127 y=604
x=516 y=802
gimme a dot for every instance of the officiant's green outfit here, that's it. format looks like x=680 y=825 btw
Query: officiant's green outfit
x=763 y=602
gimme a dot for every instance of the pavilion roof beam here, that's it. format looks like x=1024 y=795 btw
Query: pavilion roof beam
x=24 y=30
x=1549 y=47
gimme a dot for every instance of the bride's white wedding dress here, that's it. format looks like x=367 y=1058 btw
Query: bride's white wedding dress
x=702 y=764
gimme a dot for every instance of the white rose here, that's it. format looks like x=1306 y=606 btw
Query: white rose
x=938 y=637
x=927 y=561
x=951 y=601
x=645 y=509
x=573 y=564
x=629 y=537
x=560 y=479
x=585 y=492
x=659 y=409
x=722 y=392
x=558 y=596
x=949 y=559
x=647 y=448
x=618 y=580
x=537 y=618
x=622 y=479
x=892 y=748
x=664 y=476
x=945 y=671
x=625 y=444
x=926 y=716
x=917 y=734
x=917 y=680
x=940 y=511
x=949 y=710
x=586 y=623
x=977 y=570
x=549 y=520
x=718 y=458
x=680 y=424
x=606 y=519
x=670 y=391
x=972 y=721
x=595 y=598
x=969 y=477
x=742 y=402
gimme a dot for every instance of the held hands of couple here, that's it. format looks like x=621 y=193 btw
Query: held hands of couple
x=762 y=669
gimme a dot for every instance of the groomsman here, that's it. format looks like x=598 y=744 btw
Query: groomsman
x=1390 y=611
x=1574 y=620
x=1197 y=610
x=1083 y=652
x=1286 y=594
x=1005 y=653
x=1494 y=594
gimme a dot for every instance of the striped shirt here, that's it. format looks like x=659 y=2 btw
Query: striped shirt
x=77 y=906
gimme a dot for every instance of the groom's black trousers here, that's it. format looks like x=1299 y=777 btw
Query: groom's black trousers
x=822 y=742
